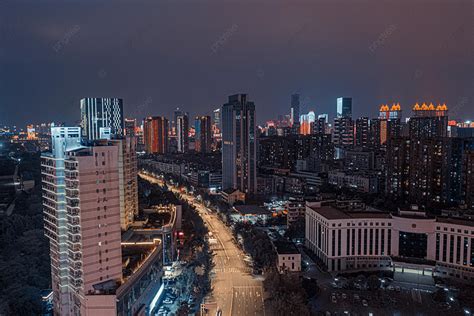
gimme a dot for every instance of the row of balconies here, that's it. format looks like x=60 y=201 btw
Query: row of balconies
x=48 y=178
x=74 y=256
x=75 y=248
x=72 y=202
x=51 y=220
x=75 y=229
x=74 y=238
x=75 y=274
x=75 y=282
x=72 y=184
x=72 y=211
x=72 y=194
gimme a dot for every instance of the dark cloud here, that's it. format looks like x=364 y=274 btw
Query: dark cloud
x=158 y=55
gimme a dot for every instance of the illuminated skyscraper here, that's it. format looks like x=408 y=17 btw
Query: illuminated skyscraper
x=344 y=107
x=295 y=109
x=387 y=126
x=155 y=132
x=429 y=121
x=130 y=127
x=217 y=118
x=101 y=112
x=239 y=165
x=306 y=122
x=362 y=132
x=203 y=136
x=343 y=131
x=182 y=133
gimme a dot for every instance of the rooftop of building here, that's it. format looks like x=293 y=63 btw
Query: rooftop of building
x=133 y=256
x=251 y=210
x=333 y=213
x=285 y=247
x=456 y=221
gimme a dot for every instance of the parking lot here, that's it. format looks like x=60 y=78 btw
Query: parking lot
x=353 y=297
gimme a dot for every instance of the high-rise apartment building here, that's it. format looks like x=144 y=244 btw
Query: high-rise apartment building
x=429 y=171
x=239 y=152
x=130 y=127
x=343 y=132
x=295 y=109
x=320 y=126
x=93 y=227
x=217 y=118
x=174 y=122
x=55 y=213
x=429 y=121
x=97 y=113
x=362 y=132
x=344 y=107
x=387 y=126
x=203 y=134
x=128 y=182
x=155 y=132
x=182 y=133
x=89 y=194
x=306 y=121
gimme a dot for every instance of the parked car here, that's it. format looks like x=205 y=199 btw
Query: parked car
x=364 y=303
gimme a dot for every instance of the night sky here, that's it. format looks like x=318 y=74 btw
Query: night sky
x=159 y=55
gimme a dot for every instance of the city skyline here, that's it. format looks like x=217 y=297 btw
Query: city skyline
x=400 y=58
x=170 y=158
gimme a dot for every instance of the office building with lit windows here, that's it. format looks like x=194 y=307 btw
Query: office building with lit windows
x=130 y=127
x=295 y=110
x=239 y=145
x=203 y=134
x=155 y=135
x=428 y=121
x=344 y=107
x=182 y=133
x=97 y=113
x=348 y=240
